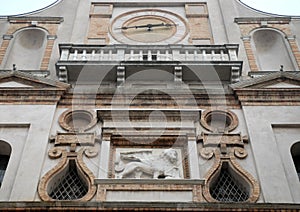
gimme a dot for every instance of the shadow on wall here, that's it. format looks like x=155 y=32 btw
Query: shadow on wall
x=5 y=152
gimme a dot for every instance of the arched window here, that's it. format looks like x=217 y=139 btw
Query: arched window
x=5 y=151
x=272 y=51
x=228 y=186
x=27 y=49
x=295 y=151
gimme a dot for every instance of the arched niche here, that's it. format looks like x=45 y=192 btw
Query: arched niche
x=295 y=152
x=272 y=51
x=5 y=152
x=27 y=49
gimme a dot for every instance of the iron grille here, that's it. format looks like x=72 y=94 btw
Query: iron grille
x=71 y=186
x=228 y=189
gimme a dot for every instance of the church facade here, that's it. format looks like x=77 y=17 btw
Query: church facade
x=149 y=105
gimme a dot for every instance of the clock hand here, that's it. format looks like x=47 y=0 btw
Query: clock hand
x=149 y=26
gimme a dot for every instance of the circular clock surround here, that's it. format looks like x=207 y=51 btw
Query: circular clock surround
x=172 y=29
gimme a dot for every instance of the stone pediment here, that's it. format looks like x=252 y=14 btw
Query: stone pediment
x=13 y=84
x=279 y=80
x=283 y=85
x=23 y=88
x=276 y=89
x=17 y=80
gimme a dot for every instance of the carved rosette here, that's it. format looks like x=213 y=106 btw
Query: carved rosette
x=70 y=147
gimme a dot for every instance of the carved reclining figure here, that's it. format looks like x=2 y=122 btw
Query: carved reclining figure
x=163 y=166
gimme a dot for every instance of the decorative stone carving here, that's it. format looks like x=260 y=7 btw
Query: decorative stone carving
x=159 y=163
x=219 y=120
x=226 y=149
x=78 y=120
x=54 y=177
x=71 y=166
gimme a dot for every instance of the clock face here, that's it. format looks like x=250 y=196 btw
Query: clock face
x=148 y=27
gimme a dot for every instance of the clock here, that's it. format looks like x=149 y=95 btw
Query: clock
x=148 y=27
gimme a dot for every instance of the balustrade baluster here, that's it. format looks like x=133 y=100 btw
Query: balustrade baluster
x=149 y=56
x=93 y=56
x=186 y=55
x=213 y=55
x=83 y=57
x=101 y=54
x=196 y=55
x=158 y=55
x=110 y=55
x=167 y=55
x=75 y=54
x=204 y=56
x=131 y=55
x=141 y=55
x=222 y=55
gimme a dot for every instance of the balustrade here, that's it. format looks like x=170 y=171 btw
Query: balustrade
x=148 y=53
x=223 y=58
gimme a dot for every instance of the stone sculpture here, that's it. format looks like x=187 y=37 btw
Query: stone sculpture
x=137 y=163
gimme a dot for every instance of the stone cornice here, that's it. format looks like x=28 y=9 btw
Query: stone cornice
x=260 y=92
x=34 y=79
x=266 y=78
x=69 y=206
x=28 y=19
x=184 y=100
x=273 y=20
x=149 y=181
x=269 y=97
x=143 y=115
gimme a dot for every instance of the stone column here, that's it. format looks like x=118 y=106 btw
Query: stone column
x=193 y=157
x=104 y=158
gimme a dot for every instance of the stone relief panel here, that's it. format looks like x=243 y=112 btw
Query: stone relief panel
x=160 y=163
x=146 y=156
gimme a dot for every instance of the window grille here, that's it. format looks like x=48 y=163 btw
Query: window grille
x=3 y=164
x=228 y=189
x=71 y=186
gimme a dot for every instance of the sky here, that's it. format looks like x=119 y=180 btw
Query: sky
x=282 y=7
x=14 y=7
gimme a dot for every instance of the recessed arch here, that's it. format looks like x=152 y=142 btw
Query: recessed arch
x=295 y=152
x=272 y=50
x=5 y=152
x=27 y=48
